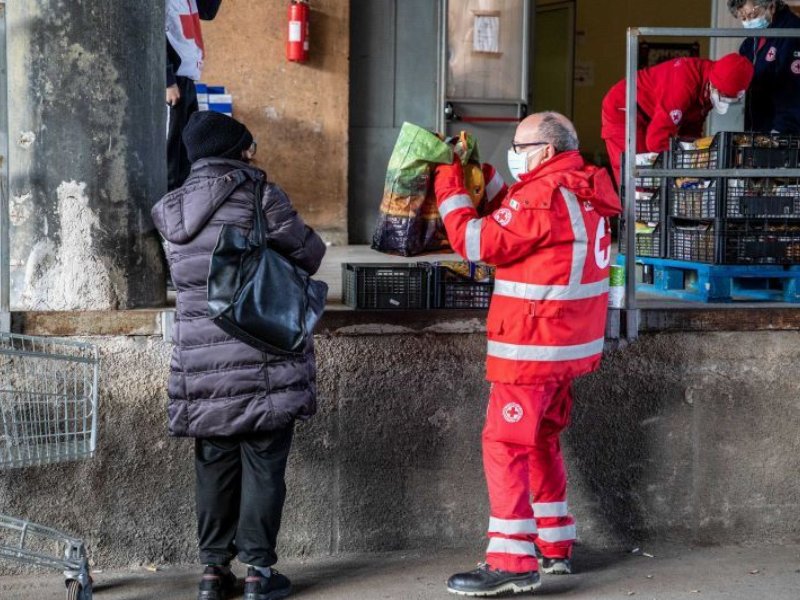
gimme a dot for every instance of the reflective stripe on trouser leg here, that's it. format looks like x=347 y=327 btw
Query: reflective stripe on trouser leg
x=511 y=422
x=549 y=479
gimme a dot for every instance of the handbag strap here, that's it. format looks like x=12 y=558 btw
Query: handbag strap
x=259 y=235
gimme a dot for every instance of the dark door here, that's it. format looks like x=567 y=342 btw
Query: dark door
x=393 y=78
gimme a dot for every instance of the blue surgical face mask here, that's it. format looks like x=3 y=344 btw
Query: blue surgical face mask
x=518 y=161
x=761 y=22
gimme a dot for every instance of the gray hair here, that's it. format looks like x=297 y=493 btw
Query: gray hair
x=557 y=130
x=735 y=5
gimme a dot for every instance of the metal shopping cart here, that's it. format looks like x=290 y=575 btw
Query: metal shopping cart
x=48 y=414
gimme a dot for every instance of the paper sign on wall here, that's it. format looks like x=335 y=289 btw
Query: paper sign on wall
x=486 y=33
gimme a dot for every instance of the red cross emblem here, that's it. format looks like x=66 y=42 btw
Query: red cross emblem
x=512 y=412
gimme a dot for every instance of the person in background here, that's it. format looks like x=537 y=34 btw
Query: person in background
x=239 y=403
x=185 y=52
x=550 y=240
x=673 y=99
x=773 y=101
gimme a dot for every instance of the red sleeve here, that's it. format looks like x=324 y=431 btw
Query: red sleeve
x=496 y=190
x=500 y=238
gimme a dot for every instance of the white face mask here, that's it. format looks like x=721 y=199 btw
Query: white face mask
x=518 y=161
x=758 y=23
x=720 y=106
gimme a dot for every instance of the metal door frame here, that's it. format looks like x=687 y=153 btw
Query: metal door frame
x=5 y=245
x=572 y=6
x=520 y=102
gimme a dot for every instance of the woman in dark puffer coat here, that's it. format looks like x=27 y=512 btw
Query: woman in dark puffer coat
x=238 y=403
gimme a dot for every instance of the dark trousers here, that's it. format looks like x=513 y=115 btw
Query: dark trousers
x=177 y=160
x=240 y=496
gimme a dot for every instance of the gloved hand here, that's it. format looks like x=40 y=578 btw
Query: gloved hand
x=448 y=180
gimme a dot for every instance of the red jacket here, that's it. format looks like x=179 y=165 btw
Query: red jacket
x=672 y=97
x=550 y=240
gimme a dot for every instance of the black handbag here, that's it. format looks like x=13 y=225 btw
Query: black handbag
x=257 y=295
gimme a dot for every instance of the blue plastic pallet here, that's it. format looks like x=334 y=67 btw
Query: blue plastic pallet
x=699 y=282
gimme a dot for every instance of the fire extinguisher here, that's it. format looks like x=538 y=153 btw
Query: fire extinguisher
x=297 y=45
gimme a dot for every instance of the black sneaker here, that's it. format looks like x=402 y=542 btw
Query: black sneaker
x=485 y=581
x=557 y=566
x=258 y=587
x=217 y=584
x=554 y=566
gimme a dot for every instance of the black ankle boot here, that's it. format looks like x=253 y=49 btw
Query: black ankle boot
x=218 y=583
x=485 y=581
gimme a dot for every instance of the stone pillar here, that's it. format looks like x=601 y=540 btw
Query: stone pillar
x=87 y=153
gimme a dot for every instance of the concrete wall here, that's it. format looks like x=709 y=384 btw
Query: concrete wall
x=297 y=112
x=86 y=129
x=600 y=50
x=688 y=437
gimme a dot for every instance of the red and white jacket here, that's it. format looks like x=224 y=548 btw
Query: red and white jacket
x=550 y=240
x=185 y=36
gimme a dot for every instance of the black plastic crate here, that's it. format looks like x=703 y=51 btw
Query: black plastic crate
x=761 y=243
x=695 y=199
x=712 y=157
x=386 y=286
x=649 y=242
x=762 y=150
x=694 y=241
x=650 y=193
x=458 y=288
x=765 y=197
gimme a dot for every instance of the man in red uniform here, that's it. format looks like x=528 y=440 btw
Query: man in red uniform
x=674 y=99
x=550 y=241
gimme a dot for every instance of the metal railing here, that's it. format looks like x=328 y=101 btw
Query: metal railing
x=632 y=172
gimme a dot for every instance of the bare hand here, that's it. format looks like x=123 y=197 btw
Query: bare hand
x=173 y=95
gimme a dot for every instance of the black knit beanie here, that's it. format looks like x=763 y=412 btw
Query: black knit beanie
x=214 y=134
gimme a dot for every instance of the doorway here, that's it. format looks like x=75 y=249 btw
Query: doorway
x=553 y=58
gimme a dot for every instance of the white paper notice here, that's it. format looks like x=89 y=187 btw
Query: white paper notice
x=486 y=36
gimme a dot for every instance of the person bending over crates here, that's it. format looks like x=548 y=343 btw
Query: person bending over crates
x=673 y=99
x=239 y=403
x=550 y=241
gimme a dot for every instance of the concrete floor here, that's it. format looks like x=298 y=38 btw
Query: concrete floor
x=674 y=573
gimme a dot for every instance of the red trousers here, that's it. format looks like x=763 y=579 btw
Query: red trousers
x=525 y=474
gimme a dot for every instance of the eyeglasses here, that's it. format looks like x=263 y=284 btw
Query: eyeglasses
x=755 y=12
x=518 y=146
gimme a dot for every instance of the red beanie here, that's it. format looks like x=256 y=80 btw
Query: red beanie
x=731 y=75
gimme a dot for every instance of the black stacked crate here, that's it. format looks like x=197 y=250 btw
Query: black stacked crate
x=737 y=220
x=651 y=209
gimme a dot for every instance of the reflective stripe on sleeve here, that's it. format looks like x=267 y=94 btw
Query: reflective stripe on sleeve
x=557 y=534
x=507 y=546
x=512 y=526
x=544 y=353
x=454 y=203
x=550 y=509
x=494 y=186
x=530 y=291
x=473 y=240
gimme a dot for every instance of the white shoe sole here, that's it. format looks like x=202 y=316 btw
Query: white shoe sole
x=508 y=588
x=557 y=570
